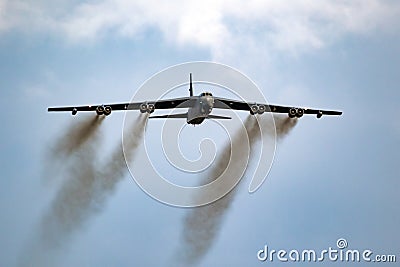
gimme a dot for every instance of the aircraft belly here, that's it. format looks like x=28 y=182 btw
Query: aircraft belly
x=199 y=112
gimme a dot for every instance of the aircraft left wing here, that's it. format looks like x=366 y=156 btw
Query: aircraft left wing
x=147 y=106
x=257 y=108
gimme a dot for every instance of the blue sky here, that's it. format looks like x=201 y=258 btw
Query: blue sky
x=332 y=178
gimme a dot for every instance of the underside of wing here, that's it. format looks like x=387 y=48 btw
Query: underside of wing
x=146 y=106
x=225 y=103
x=256 y=108
x=121 y=106
x=183 y=102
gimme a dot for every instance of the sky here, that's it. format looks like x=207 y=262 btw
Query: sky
x=332 y=178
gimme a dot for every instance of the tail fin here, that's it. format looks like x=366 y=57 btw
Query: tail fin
x=191 y=86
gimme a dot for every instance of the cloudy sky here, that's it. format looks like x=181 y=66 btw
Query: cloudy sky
x=332 y=178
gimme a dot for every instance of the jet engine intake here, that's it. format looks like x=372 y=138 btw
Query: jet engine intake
x=100 y=110
x=107 y=110
x=299 y=113
x=253 y=109
x=150 y=108
x=261 y=109
x=145 y=107
x=292 y=112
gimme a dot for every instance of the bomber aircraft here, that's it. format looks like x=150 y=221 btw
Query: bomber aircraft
x=198 y=108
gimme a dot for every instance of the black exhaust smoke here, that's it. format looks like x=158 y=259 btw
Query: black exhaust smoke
x=202 y=225
x=84 y=191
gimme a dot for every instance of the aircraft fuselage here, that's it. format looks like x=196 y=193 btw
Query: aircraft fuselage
x=201 y=109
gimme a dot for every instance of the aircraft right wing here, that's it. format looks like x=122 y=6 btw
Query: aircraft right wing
x=256 y=108
x=147 y=106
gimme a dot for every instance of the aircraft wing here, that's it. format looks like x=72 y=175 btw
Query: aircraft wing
x=183 y=102
x=255 y=108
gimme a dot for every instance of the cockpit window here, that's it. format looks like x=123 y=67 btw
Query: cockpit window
x=206 y=94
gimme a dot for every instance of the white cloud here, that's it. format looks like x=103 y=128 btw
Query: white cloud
x=223 y=27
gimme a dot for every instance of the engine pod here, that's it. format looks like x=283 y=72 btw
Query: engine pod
x=292 y=112
x=107 y=110
x=261 y=109
x=100 y=110
x=143 y=107
x=151 y=108
x=253 y=109
x=299 y=113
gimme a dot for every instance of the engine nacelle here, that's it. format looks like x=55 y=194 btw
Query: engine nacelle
x=319 y=114
x=261 y=109
x=143 y=107
x=299 y=113
x=253 y=109
x=150 y=108
x=74 y=111
x=292 y=112
x=107 y=110
x=100 y=110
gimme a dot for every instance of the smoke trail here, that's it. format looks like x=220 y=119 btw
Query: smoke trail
x=76 y=136
x=116 y=165
x=79 y=143
x=284 y=125
x=202 y=225
x=70 y=142
x=71 y=204
x=80 y=197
